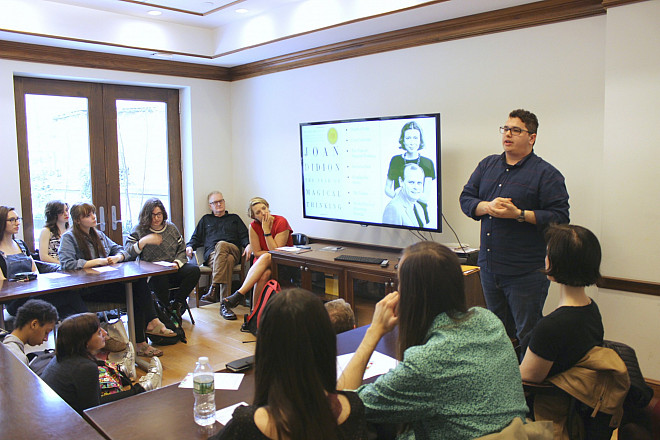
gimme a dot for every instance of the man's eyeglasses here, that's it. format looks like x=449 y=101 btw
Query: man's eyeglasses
x=515 y=131
x=14 y=220
x=217 y=202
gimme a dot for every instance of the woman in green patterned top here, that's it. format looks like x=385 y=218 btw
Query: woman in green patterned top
x=458 y=376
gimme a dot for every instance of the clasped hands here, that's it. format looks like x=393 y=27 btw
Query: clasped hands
x=502 y=207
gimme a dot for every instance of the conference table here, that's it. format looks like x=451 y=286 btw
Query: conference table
x=31 y=409
x=125 y=272
x=167 y=413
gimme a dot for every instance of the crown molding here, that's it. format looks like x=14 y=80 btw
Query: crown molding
x=519 y=17
x=99 y=60
x=532 y=14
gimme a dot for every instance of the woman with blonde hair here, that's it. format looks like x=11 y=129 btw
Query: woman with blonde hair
x=267 y=232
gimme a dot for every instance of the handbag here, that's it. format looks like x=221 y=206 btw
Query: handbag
x=17 y=263
x=117 y=337
x=111 y=380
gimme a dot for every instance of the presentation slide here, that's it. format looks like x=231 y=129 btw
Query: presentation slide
x=381 y=171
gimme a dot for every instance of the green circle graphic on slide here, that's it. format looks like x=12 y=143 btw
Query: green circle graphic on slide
x=332 y=135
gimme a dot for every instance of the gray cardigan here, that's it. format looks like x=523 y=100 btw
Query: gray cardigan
x=71 y=256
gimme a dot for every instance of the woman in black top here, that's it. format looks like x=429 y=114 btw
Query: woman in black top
x=562 y=338
x=295 y=395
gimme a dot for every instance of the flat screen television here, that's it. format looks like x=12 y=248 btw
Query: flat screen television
x=373 y=171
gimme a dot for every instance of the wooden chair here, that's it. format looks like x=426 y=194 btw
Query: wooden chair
x=239 y=269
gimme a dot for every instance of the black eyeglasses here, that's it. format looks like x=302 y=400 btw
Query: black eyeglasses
x=157 y=214
x=14 y=220
x=515 y=131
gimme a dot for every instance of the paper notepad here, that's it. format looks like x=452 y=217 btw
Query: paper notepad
x=378 y=364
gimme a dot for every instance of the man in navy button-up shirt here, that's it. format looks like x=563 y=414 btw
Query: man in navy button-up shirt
x=515 y=195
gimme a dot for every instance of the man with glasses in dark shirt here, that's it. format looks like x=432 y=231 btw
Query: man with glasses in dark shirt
x=223 y=235
x=515 y=195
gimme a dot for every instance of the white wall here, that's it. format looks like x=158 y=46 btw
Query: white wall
x=593 y=123
x=630 y=186
x=205 y=129
x=593 y=84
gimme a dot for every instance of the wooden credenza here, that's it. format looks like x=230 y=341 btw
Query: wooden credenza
x=313 y=269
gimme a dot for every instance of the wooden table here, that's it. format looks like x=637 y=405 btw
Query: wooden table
x=126 y=273
x=30 y=409
x=317 y=260
x=167 y=413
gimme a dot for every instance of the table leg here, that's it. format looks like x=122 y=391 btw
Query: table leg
x=131 y=313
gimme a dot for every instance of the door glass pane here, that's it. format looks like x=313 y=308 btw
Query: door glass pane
x=143 y=158
x=58 y=139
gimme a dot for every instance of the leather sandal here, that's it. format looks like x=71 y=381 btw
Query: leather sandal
x=149 y=351
x=160 y=331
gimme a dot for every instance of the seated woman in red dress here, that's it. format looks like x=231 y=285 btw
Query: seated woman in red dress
x=267 y=232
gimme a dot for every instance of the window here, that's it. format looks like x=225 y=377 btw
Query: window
x=114 y=146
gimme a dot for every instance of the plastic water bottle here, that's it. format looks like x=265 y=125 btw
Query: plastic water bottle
x=204 y=391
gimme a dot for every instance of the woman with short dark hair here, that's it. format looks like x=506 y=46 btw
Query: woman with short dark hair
x=157 y=239
x=563 y=337
x=74 y=372
x=458 y=375
x=295 y=396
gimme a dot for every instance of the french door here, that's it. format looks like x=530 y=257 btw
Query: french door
x=114 y=146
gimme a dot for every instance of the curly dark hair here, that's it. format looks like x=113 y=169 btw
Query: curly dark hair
x=528 y=118
x=145 y=214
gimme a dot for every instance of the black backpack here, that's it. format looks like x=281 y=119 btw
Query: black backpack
x=252 y=320
x=39 y=360
x=172 y=320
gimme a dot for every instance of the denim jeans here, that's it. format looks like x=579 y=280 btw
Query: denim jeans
x=517 y=300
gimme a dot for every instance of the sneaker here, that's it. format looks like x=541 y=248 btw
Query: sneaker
x=127 y=364
x=154 y=377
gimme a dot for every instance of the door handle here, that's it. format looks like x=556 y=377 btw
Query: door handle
x=113 y=211
x=102 y=218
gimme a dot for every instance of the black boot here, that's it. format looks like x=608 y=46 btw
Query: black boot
x=233 y=300
x=212 y=295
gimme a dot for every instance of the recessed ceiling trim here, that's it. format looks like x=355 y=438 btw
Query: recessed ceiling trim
x=325 y=28
x=104 y=43
x=184 y=11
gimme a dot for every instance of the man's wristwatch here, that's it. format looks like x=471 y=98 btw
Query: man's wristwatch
x=521 y=217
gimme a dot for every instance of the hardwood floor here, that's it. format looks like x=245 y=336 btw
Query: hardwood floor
x=212 y=336
x=220 y=340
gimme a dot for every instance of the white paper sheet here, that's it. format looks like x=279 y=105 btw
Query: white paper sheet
x=378 y=364
x=103 y=268
x=223 y=381
x=223 y=415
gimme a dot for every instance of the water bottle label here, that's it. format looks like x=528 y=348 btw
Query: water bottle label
x=203 y=387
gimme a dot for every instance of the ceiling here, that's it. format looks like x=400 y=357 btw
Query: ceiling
x=212 y=32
